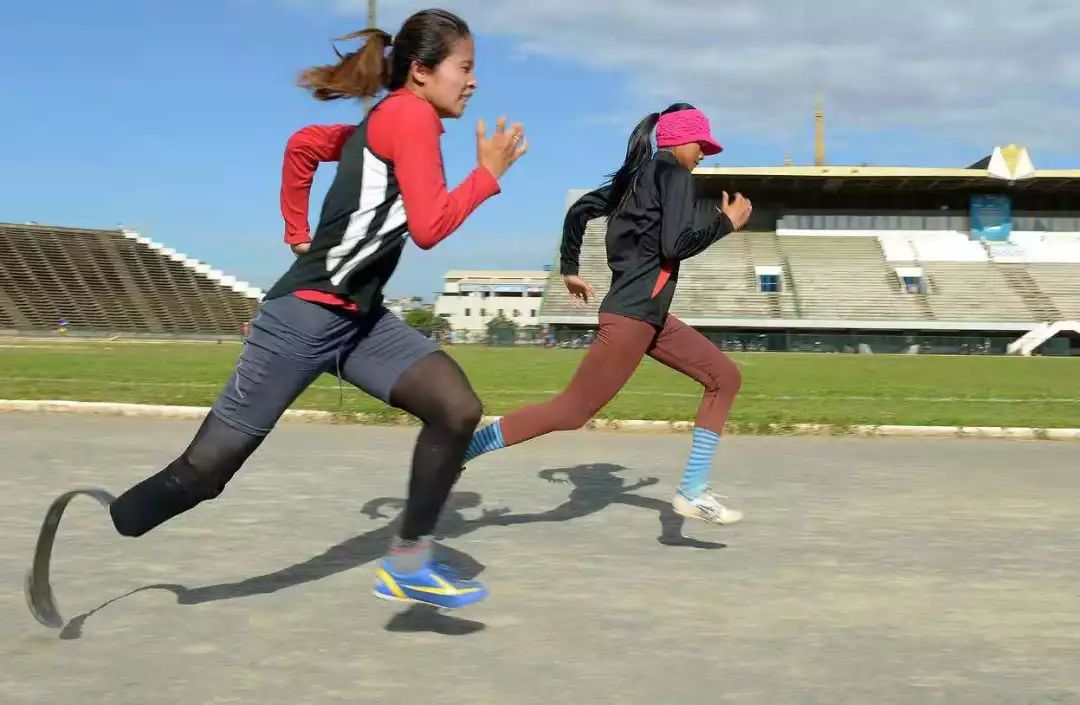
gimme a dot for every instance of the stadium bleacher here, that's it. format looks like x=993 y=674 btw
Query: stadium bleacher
x=1060 y=283
x=853 y=277
x=113 y=281
x=844 y=250
x=941 y=258
x=838 y=278
x=974 y=291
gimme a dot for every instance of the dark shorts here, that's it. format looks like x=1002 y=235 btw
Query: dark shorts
x=293 y=341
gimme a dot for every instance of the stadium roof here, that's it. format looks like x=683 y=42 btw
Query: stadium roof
x=1007 y=168
x=890 y=178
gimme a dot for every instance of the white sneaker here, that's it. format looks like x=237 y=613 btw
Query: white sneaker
x=707 y=507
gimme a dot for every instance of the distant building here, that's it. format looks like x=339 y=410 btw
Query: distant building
x=471 y=298
x=400 y=305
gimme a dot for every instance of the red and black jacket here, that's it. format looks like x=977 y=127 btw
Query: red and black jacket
x=390 y=185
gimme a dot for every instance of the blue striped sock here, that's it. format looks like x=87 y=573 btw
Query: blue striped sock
x=485 y=440
x=696 y=474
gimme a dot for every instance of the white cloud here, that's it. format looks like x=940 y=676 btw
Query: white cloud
x=976 y=72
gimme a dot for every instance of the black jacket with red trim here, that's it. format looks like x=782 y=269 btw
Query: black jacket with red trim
x=647 y=238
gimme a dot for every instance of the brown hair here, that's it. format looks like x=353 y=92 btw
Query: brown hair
x=426 y=38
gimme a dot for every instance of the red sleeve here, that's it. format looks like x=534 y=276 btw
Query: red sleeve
x=406 y=131
x=303 y=152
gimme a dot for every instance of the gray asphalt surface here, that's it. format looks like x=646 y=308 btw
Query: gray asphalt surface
x=869 y=571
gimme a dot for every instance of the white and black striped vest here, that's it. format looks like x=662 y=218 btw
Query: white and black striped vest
x=362 y=230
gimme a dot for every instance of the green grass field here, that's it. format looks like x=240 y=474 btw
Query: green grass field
x=777 y=388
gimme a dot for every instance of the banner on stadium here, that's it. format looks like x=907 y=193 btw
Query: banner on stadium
x=991 y=217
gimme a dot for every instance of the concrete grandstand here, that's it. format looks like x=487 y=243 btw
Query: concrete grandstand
x=921 y=256
x=113 y=281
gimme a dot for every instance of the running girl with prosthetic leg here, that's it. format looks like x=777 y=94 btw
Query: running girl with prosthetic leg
x=325 y=315
x=649 y=203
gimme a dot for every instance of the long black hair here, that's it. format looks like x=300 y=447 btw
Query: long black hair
x=427 y=37
x=639 y=151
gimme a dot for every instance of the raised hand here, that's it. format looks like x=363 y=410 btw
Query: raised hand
x=737 y=209
x=504 y=148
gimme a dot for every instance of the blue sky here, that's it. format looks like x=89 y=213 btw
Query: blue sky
x=170 y=117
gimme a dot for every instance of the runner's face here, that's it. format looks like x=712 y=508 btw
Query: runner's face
x=689 y=155
x=452 y=82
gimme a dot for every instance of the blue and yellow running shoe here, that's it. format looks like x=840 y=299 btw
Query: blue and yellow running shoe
x=434 y=584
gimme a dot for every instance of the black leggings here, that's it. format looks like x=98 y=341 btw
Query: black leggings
x=434 y=389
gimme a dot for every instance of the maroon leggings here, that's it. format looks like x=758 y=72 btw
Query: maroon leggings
x=611 y=361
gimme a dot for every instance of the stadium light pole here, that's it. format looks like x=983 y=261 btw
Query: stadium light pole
x=371 y=25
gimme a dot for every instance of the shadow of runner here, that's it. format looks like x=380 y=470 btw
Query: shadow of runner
x=595 y=487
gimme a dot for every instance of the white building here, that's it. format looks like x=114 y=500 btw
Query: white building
x=400 y=305
x=471 y=298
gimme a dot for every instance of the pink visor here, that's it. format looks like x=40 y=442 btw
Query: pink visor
x=685 y=127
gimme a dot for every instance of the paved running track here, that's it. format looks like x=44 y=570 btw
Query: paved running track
x=869 y=571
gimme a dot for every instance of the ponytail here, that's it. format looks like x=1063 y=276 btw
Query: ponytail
x=426 y=38
x=358 y=74
x=639 y=152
